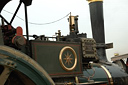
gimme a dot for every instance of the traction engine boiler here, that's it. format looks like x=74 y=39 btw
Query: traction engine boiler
x=69 y=60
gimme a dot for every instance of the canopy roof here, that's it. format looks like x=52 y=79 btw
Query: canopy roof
x=4 y=2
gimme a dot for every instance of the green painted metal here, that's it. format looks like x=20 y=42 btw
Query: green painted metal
x=96 y=73
x=25 y=65
x=47 y=55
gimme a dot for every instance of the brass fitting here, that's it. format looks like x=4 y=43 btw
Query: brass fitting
x=93 y=0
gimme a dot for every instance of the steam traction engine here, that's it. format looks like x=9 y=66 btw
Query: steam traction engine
x=72 y=59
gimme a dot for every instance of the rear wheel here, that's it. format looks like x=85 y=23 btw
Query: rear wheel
x=18 y=78
x=16 y=68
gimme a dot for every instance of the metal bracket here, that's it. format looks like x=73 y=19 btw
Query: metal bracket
x=8 y=63
x=4 y=75
x=8 y=67
x=89 y=48
x=119 y=57
x=106 y=46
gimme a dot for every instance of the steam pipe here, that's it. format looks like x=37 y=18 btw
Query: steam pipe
x=27 y=30
x=97 y=23
x=26 y=22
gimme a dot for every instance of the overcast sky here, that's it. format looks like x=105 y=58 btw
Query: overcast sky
x=45 y=11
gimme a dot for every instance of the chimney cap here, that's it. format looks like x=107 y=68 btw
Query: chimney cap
x=93 y=0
